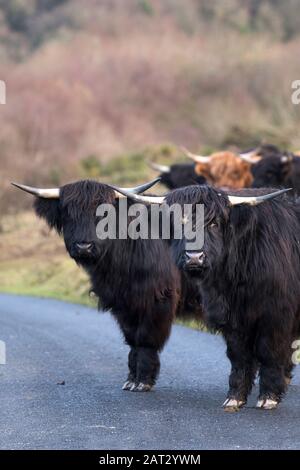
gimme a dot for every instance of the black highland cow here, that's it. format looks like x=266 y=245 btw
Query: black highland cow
x=275 y=171
x=178 y=175
x=136 y=279
x=271 y=167
x=249 y=278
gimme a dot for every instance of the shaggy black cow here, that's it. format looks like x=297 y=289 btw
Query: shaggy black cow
x=178 y=175
x=277 y=171
x=262 y=151
x=273 y=168
x=269 y=150
x=249 y=275
x=136 y=279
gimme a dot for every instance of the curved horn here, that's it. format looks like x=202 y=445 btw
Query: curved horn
x=286 y=158
x=52 y=193
x=250 y=157
x=143 y=187
x=196 y=158
x=137 y=197
x=157 y=167
x=254 y=200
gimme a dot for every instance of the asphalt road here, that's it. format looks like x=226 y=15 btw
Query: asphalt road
x=50 y=342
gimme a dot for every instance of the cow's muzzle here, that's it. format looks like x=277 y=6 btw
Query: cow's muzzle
x=83 y=249
x=194 y=260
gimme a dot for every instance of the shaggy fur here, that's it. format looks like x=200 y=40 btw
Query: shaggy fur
x=272 y=172
x=269 y=150
x=136 y=279
x=180 y=175
x=226 y=170
x=250 y=284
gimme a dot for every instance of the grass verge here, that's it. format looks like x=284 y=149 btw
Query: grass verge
x=33 y=261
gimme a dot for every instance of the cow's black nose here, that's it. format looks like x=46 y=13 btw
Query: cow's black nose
x=84 y=247
x=194 y=258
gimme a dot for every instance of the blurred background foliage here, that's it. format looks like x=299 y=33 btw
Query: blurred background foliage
x=96 y=88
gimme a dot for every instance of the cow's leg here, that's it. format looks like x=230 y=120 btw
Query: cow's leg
x=132 y=366
x=148 y=366
x=144 y=365
x=273 y=354
x=146 y=338
x=290 y=362
x=243 y=370
x=288 y=372
x=151 y=337
x=129 y=328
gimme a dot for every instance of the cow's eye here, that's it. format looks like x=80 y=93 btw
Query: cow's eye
x=212 y=225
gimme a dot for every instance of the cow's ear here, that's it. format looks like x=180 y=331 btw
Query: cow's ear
x=49 y=210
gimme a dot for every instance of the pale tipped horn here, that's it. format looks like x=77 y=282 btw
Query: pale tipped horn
x=138 y=197
x=255 y=200
x=143 y=187
x=196 y=158
x=158 y=167
x=52 y=193
x=286 y=158
x=250 y=157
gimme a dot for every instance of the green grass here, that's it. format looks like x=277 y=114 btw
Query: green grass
x=130 y=168
x=35 y=263
x=60 y=279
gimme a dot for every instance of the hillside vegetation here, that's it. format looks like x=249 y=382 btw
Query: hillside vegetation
x=103 y=81
x=95 y=88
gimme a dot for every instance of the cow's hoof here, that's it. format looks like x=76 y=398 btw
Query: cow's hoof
x=232 y=404
x=133 y=387
x=267 y=404
x=141 y=387
x=127 y=385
